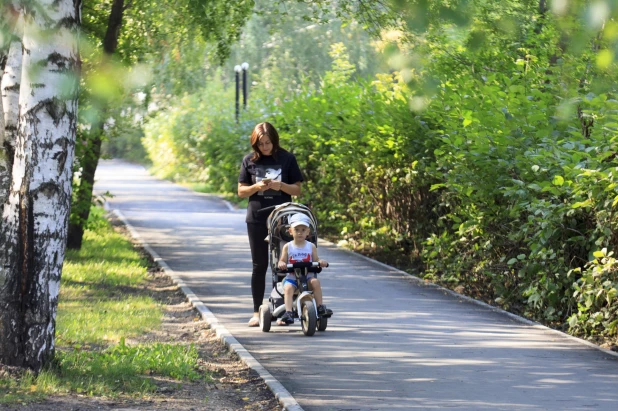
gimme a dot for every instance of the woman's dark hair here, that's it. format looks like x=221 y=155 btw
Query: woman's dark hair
x=261 y=130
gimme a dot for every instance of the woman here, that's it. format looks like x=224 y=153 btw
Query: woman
x=268 y=176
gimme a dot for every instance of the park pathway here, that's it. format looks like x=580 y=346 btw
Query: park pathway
x=391 y=345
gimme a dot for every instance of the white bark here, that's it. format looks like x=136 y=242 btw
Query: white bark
x=37 y=212
x=9 y=104
x=4 y=160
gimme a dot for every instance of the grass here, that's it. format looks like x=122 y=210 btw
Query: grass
x=120 y=369
x=102 y=302
x=98 y=320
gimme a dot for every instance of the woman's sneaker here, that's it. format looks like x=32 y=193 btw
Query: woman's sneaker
x=323 y=311
x=286 y=319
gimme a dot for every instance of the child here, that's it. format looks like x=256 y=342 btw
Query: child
x=296 y=251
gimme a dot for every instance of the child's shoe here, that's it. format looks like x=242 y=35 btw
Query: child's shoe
x=286 y=319
x=323 y=311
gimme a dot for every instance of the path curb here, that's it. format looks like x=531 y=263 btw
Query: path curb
x=515 y=317
x=283 y=396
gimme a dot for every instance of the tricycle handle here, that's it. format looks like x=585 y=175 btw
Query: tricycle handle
x=312 y=267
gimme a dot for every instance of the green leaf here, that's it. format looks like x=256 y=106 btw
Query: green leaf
x=599 y=254
x=581 y=204
x=558 y=181
x=534 y=187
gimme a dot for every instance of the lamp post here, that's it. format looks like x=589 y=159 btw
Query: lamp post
x=245 y=67
x=237 y=69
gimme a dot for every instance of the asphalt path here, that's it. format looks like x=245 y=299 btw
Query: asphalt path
x=392 y=344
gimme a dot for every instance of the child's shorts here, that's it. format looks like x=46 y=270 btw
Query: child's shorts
x=292 y=279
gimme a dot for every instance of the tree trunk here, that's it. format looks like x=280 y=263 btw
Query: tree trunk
x=83 y=192
x=5 y=164
x=10 y=112
x=35 y=218
x=7 y=56
x=110 y=43
x=90 y=159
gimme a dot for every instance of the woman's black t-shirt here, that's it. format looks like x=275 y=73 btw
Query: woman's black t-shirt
x=280 y=167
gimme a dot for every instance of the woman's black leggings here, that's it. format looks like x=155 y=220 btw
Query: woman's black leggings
x=259 y=255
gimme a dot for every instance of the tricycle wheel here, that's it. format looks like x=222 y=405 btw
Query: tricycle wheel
x=308 y=318
x=265 y=317
x=322 y=323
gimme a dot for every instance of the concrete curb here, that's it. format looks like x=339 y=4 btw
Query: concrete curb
x=515 y=317
x=285 y=398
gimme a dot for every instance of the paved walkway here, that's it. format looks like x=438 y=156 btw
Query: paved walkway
x=391 y=345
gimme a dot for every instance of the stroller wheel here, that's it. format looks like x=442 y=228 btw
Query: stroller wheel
x=308 y=318
x=265 y=317
x=322 y=323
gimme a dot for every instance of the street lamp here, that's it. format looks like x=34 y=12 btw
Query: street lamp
x=237 y=69
x=245 y=67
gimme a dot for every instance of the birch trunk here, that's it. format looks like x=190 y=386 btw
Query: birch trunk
x=33 y=234
x=10 y=111
x=5 y=165
x=7 y=12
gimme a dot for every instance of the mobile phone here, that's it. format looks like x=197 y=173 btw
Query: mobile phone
x=266 y=180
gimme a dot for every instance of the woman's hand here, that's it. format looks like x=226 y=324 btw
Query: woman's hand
x=275 y=185
x=282 y=265
x=262 y=186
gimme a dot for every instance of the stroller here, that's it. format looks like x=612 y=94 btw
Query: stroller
x=304 y=306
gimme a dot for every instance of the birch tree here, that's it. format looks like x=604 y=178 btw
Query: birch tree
x=35 y=215
x=10 y=109
x=8 y=13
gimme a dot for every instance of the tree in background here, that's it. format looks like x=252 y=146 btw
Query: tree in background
x=149 y=33
x=285 y=46
x=91 y=139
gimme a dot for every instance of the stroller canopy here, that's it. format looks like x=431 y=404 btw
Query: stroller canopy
x=281 y=214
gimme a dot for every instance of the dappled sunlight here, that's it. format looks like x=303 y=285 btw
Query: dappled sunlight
x=555 y=381
x=217 y=304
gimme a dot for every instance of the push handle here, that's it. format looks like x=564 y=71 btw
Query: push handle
x=265 y=210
